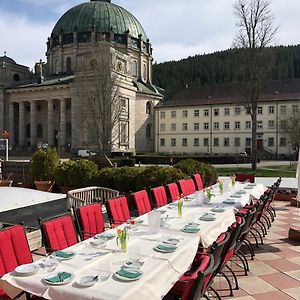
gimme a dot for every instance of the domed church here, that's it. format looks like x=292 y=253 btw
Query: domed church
x=97 y=75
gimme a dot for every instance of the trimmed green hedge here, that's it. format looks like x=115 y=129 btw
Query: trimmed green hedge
x=83 y=172
x=190 y=166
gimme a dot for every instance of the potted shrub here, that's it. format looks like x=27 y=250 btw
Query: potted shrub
x=75 y=174
x=44 y=163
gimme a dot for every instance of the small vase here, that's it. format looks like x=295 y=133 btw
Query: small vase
x=123 y=245
x=180 y=206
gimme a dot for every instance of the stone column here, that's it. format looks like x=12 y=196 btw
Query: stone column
x=22 y=123
x=50 y=125
x=33 y=125
x=62 y=125
x=11 y=123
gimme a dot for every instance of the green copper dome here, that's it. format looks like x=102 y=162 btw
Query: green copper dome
x=102 y=15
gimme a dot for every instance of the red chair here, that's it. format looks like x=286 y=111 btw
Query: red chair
x=244 y=177
x=173 y=191
x=142 y=202
x=198 y=181
x=14 y=251
x=90 y=220
x=189 y=183
x=160 y=196
x=183 y=187
x=58 y=233
x=118 y=210
x=194 y=283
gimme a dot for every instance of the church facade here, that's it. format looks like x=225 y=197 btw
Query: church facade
x=49 y=106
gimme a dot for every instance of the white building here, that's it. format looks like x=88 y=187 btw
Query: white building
x=214 y=121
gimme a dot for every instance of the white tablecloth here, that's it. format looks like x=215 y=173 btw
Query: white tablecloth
x=161 y=270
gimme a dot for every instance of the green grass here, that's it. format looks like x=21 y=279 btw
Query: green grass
x=270 y=171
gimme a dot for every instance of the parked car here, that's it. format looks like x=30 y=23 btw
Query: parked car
x=86 y=153
x=3 y=147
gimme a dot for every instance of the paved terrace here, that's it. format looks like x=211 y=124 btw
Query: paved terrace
x=275 y=271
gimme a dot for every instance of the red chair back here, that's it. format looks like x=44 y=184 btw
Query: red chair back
x=14 y=249
x=193 y=283
x=190 y=185
x=90 y=220
x=160 y=196
x=198 y=180
x=244 y=177
x=118 y=210
x=142 y=202
x=173 y=191
x=58 y=233
x=183 y=187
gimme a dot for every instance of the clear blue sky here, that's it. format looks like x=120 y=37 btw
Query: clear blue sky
x=176 y=28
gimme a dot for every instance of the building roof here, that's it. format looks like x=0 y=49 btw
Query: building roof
x=101 y=15
x=227 y=94
x=55 y=80
x=147 y=88
x=7 y=59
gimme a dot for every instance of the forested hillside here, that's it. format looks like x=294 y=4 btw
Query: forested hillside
x=219 y=68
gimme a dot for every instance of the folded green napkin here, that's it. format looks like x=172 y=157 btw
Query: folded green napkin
x=235 y=196
x=166 y=247
x=229 y=201
x=218 y=209
x=241 y=192
x=189 y=229
x=207 y=217
x=129 y=274
x=60 y=277
x=63 y=254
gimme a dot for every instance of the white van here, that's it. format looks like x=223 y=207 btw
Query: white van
x=86 y=153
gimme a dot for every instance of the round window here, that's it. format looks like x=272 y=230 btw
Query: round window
x=16 y=77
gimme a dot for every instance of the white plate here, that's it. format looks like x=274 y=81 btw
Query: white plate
x=87 y=281
x=26 y=270
x=207 y=218
x=229 y=201
x=98 y=243
x=69 y=279
x=129 y=279
x=64 y=258
x=105 y=236
x=187 y=230
x=218 y=209
x=163 y=251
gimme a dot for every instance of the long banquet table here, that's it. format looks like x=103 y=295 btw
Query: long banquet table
x=160 y=270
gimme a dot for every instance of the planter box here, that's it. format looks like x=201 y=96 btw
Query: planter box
x=284 y=197
x=34 y=239
x=285 y=194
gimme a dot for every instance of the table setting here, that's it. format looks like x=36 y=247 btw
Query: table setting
x=127 y=261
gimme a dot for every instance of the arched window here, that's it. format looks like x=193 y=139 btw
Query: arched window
x=69 y=129
x=39 y=130
x=57 y=66
x=68 y=65
x=149 y=108
x=145 y=72
x=149 y=131
x=28 y=131
x=134 y=68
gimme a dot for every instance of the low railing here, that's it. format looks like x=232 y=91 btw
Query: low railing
x=89 y=195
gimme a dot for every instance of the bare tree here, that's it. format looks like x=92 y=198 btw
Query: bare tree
x=291 y=127
x=256 y=32
x=101 y=94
